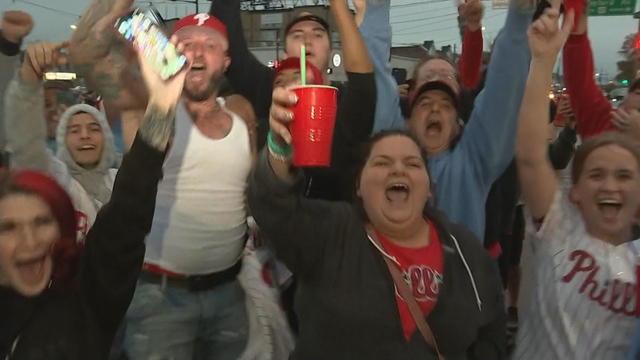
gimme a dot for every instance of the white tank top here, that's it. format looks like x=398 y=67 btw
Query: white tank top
x=199 y=224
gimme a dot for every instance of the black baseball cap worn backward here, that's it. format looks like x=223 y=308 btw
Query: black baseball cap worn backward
x=306 y=16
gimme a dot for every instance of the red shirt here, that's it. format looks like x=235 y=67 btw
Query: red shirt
x=470 y=63
x=590 y=106
x=424 y=266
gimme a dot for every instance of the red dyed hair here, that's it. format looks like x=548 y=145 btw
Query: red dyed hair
x=66 y=250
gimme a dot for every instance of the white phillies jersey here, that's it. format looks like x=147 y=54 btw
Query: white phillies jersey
x=200 y=220
x=580 y=291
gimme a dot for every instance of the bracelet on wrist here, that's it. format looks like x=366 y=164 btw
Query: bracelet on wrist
x=276 y=149
x=279 y=157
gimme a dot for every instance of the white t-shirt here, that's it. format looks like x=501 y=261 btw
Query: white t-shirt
x=200 y=220
x=581 y=291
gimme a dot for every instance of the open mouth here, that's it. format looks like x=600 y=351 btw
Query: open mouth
x=397 y=192
x=197 y=68
x=32 y=270
x=610 y=208
x=434 y=127
x=87 y=147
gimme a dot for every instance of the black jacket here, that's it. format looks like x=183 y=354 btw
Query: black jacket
x=81 y=324
x=7 y=47
x=354 y=119
x=346 y=301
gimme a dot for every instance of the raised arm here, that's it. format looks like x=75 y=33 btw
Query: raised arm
x=376 y=32
x=489 y=137
x=356 y=57
x=591 y=108
x=115 y=244
x=104 y=60
x=357 y=106
x=24 y=108
x=562 y=148
x=14 y=27
x=247 y=75
x=537 y=178
x=470 y=63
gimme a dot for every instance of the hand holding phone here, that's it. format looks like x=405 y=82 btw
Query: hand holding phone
x=142 y=28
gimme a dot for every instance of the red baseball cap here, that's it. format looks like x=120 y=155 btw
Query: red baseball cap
x=294 y=63
x=203 y=19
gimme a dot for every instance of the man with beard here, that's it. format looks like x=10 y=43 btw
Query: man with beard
x=188 y=293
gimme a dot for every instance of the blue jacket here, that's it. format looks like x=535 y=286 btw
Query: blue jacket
x=462 y=176
x=634 y=352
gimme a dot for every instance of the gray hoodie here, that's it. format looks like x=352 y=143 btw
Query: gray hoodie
x=7 y=68
x=26 y=140
x=90 y=179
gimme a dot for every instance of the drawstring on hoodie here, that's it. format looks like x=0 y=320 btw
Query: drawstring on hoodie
x=464 y=261
x=473 y=281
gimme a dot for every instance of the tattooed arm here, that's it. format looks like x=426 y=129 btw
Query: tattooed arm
x=103 y=59
x=157 y=125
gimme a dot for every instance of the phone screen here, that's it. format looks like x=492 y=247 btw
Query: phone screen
x=143 y=29
x=400 y=75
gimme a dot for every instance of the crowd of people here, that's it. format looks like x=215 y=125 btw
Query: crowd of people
x=458 y=218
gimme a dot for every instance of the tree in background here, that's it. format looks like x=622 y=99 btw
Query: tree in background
x=628 y=67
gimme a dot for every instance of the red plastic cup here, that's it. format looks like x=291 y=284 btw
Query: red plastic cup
x=314 y=117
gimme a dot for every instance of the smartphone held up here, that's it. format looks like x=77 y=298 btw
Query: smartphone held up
x=142 y=27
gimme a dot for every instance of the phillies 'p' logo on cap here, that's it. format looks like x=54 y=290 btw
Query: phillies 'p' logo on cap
x=203 y=19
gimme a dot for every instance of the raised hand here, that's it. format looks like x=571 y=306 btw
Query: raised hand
x=403 y=90
x=546 y=36
x=159 y=119
x=16 y=25
x=105 y=61
x=627 y=121
x=361 y=8
x=471 y=13
x=95 y=34
x=162 y=93
x=280 y=116
x=40 y=57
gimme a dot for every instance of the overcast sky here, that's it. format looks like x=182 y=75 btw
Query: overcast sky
x=413 y=21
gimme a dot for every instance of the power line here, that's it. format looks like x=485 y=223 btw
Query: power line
x=427 y=18
x=416 y=3
x=424 y=11
x=442 y=28
x=49 y=8
x=427 y=24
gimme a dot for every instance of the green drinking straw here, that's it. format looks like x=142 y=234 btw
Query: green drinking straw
x=303 y=65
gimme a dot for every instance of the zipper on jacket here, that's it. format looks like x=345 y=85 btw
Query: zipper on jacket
x=464 y=261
